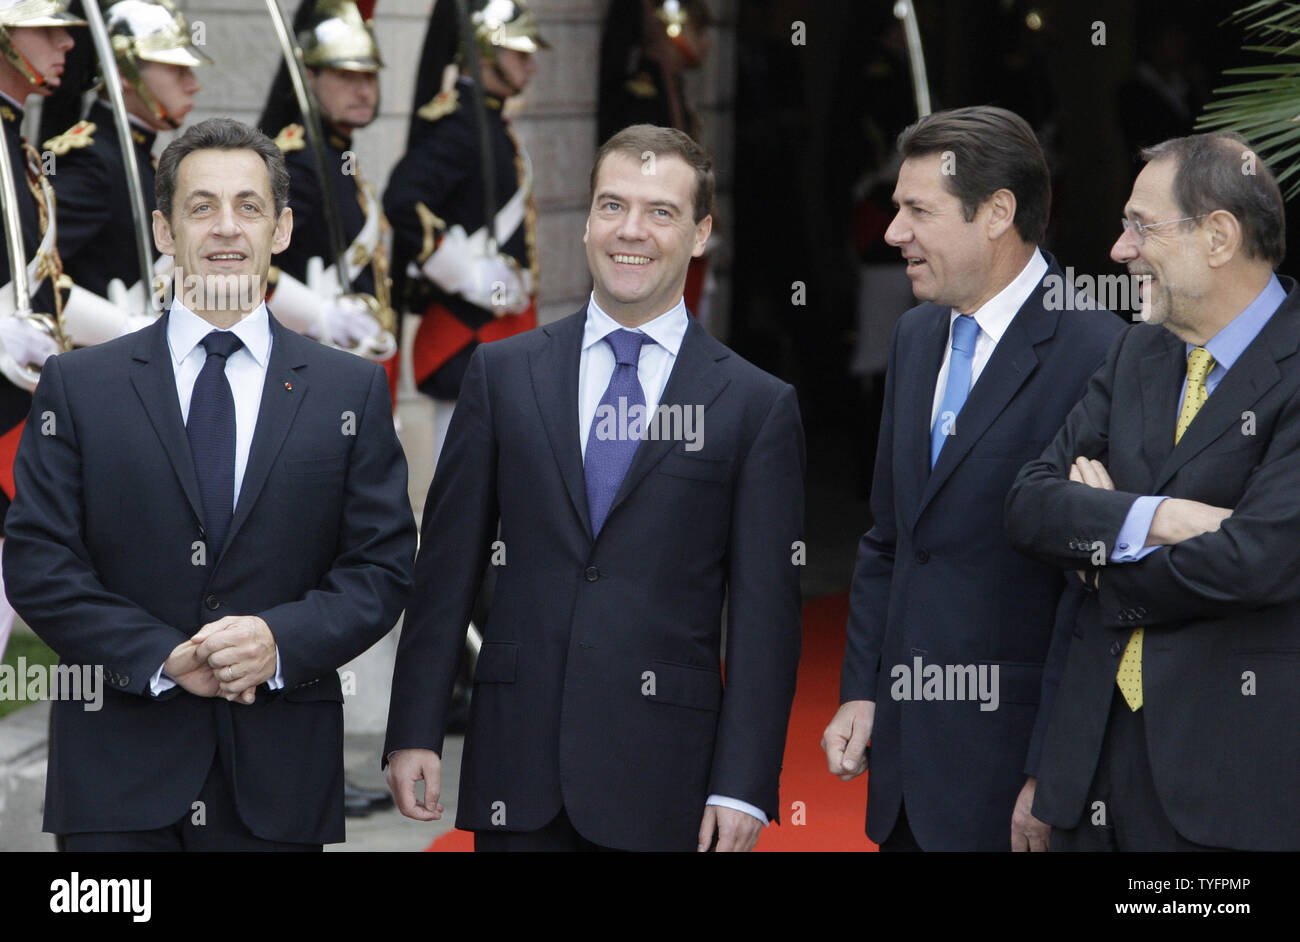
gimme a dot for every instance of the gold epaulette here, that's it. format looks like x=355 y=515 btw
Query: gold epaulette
x=79 y=135
x=440 y=105
x=641 y=87
x=290 y=138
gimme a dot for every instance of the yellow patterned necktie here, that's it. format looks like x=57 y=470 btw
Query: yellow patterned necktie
x=1199 y=364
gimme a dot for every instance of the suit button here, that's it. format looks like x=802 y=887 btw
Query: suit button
x=212 y=602
x=922 y=556
x=1116 y=649
x=592 y=573
x=124 y=680
x=1141 y=612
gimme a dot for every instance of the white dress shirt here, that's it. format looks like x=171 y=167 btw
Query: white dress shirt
x=596 y=362
x=246 y=373
x=993 y=318
x=595 y=367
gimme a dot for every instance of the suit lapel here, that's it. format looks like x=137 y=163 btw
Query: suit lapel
x=1252 y=375
x=1014 y=360
x=914 y=403
x=274 y=416
x=554 y=372
x=693 y=382
x=1162 y=376
x=155 y=383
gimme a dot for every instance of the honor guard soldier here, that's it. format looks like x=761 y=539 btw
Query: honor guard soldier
x=470 y=287
x=34 y=41
x=343 y=63
x=641 y=70
x=646 y=47
x=156 y=59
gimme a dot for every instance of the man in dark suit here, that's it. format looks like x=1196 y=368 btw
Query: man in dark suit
x=599 y=717
x=1175 y=723
x=980 y=377
x=212 y=510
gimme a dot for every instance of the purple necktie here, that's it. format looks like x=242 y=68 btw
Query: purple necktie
x=609 y=455
x=211 y=431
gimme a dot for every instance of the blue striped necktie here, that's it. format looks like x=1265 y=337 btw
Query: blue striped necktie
x=965 y=331
x=609 y=456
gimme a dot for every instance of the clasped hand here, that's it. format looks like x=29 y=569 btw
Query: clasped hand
x=228 y=657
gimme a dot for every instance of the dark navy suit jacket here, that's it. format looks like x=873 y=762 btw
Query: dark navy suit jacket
x=937 y=579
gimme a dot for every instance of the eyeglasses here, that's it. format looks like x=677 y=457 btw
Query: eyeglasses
x=1139 y=229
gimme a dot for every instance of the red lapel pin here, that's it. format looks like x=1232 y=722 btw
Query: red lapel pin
x=289 y=386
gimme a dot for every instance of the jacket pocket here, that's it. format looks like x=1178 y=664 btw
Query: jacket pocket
x=496 y=662
x=681 y=465
x=301 y=467
x=699 y=688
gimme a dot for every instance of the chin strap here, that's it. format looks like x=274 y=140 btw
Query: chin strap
x=18 y=60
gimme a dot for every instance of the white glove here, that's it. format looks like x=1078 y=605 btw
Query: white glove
x=347 y=321
x=461 y=265
x=89 y=319
x=26 y=347
x=316 y=310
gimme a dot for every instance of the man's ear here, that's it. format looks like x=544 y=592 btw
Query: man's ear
x=702 y=230
x=586 y=229
x=283 y=230
x=1224 y=232
x=162 y=234
x=1002 y=212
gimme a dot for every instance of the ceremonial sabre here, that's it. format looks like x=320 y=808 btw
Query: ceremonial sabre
x=113 y=85
x=905 y=11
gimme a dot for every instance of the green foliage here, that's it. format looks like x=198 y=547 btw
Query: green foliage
x=1265 y=107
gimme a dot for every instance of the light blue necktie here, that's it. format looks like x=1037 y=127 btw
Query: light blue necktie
x=964 y=333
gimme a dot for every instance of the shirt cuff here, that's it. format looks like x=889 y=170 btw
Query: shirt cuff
x=276 y=682
x=158 y=684
x=737 y=805
x=1130 y=545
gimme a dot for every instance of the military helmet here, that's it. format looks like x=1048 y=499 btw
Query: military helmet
x=336 y=37
x=150 y=31
x=505 y=24
x=24 y=13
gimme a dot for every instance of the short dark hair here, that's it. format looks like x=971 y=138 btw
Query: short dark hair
x=993 y=149
x=1222 y=171
x=219 y=134
x=637 y=139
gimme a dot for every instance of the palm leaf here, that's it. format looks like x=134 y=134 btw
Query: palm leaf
x=1265 y=107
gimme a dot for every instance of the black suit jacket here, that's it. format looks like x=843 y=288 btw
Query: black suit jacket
x=100 y=559
x=598 y=687
x=936 y=577
x=1225 y=761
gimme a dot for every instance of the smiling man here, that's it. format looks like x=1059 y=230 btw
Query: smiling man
x=980 y=377
x=214 y=512
x=1178 y=707
x=599 y=717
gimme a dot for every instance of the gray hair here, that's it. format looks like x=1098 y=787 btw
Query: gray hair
x=1222 y=171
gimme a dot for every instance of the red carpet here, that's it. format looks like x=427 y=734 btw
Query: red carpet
x=818 y=811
